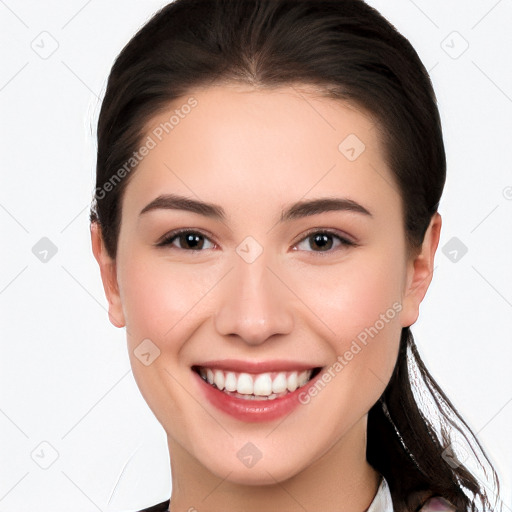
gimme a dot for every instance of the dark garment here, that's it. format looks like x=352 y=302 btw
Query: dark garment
x=435 y=503
x=161 y=507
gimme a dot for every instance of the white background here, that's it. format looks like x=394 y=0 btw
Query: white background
x=65 y=374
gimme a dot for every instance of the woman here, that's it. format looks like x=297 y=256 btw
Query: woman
x=265 y=222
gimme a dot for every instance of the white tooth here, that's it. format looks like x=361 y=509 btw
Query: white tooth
x=303 y=378
x=219 y=379
x=263 y=385
x=279 y=383
x=209 y=375
x=230 y=382
x=244 y=384
x=292 y=381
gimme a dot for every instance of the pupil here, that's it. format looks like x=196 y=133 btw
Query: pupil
x=193 y=240
x=322 y=240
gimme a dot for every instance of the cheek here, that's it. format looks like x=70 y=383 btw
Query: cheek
x=160 y=298
x=162 y=302
x=360 y=303
x=353 y=296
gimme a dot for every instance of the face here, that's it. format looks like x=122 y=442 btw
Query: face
x=296 y=268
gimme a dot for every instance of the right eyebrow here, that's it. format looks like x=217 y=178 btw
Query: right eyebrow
x=175 y=202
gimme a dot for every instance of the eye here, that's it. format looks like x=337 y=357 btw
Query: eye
x=324 y=240
x=186 y=240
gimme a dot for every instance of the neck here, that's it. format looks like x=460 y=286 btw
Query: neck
x=339 y=479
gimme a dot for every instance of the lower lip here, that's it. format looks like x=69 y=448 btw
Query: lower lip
x=253 y=410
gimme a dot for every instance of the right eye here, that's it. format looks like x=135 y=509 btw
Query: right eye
x=186 y=240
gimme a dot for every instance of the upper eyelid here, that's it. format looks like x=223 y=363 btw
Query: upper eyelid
x=173 y=234
x=329 y=231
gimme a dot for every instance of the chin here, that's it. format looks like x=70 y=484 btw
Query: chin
x=278 y=468
x=259 y=477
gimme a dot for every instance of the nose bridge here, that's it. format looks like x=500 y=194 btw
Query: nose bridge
x=254 y=303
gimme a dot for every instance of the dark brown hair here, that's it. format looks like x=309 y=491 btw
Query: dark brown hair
x=350 y=52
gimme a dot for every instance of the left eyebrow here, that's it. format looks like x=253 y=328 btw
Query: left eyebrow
x=295 y=211
x=316 y=206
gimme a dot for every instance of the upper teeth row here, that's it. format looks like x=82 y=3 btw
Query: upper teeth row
x=261 y=384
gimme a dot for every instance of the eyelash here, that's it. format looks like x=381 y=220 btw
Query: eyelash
x=170 y=237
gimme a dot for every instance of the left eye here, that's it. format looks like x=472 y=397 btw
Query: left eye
x=324 y=240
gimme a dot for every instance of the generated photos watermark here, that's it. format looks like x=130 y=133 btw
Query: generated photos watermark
x=343 y=360
x=150 y=143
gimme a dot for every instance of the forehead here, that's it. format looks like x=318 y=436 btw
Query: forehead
x=239 y=145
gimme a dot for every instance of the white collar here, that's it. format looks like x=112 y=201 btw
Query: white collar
x=382 y=501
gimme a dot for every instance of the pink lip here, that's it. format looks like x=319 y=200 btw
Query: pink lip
x=253 y=410
x=239 y=366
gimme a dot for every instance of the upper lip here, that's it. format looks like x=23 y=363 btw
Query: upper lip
x=240 y=366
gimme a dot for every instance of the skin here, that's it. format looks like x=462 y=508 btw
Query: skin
x=254 y=152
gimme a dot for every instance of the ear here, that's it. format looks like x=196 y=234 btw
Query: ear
x=108 y=276
x=420 y=268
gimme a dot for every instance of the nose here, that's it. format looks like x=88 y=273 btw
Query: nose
x=255 y=304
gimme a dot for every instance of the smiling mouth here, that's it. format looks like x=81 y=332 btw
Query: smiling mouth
x=260 y=386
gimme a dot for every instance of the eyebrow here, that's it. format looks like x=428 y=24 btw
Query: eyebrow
x=295 y=211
